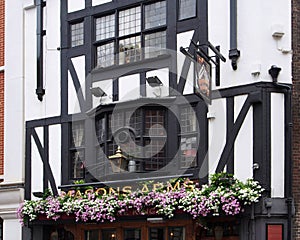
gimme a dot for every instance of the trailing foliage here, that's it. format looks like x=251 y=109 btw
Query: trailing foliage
x=223 y=195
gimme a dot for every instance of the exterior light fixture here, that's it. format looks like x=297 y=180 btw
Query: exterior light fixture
x=154 y=81
x=118 y=161
x=98 y=92
x=274 y=72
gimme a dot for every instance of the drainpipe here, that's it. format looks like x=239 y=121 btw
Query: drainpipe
x=234 y=53
x=40 y=32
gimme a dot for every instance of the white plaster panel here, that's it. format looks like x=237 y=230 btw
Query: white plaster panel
x=79 y=65
x=184 y=40
x=14 y=93
x=129 y=87
x=163 y=75
x=36 y=169
x=99 y=2
x=217 y=132
x=75 y=5
x=243 y=147
x=106 y=86
x=55 y=152
x=52 y=81
x=277 y=145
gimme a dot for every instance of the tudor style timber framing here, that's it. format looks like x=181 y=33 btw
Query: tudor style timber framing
x=259 y=97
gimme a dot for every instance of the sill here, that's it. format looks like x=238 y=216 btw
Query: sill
x=116 y=71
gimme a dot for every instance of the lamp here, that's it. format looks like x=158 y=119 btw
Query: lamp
x=274 y=72
x=118 y=161
x=97 y=92
x=154 y=81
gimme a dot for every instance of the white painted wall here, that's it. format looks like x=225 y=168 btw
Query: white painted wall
x=243 y=148
x=99 y=2
x=50 y=106
x=217 y=132
x=277 y=145
x=75 y=5
x=184 y=40
x=129 y=87
x=55 y=152
x=37 y=163
x=255 y=39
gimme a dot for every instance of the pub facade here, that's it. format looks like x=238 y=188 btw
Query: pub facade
x=128 y=107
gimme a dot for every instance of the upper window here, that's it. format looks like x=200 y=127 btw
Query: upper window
x=187 y=9
x=77 y=34
x=121 y=36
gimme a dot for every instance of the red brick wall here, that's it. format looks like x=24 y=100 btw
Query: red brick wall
x=2 y=33
x=296 y=113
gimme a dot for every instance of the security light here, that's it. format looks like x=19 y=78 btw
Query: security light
x=154 y=81
x=98 y=92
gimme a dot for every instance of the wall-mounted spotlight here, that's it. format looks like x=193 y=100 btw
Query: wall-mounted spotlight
x=98 y=92
x=154 y=81
x=38 y=194
x=274 y=72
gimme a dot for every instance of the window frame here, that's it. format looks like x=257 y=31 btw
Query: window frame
x=117 y=38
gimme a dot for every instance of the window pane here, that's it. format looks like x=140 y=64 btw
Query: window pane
x=130 y=21
x=156 y=234
x=155 y=155
x=188 y=147
x=134 y=120
x=132 y=234
x=187 y=9
x=105 y=27
x=77 y=34
x=100 y=129
x=77 y=159
x=155 y=14
x=77 y=134
x=154 y=123
x=105 y=55
x=176 y=233
x=155 y=44
x=130 y=50
x=109 y=234
x=188 y=120
x=91 y=235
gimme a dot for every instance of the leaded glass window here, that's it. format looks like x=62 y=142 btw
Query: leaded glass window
x=187 y=9
x=188 y=137
x=120 y=37
x=77 y=34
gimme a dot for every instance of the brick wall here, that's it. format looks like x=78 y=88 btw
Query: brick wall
x=296 y=113
x=2 y=33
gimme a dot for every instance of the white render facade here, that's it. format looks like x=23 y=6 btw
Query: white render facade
x=246 y=126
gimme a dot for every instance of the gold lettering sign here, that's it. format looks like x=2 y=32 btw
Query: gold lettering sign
x=188 y=184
